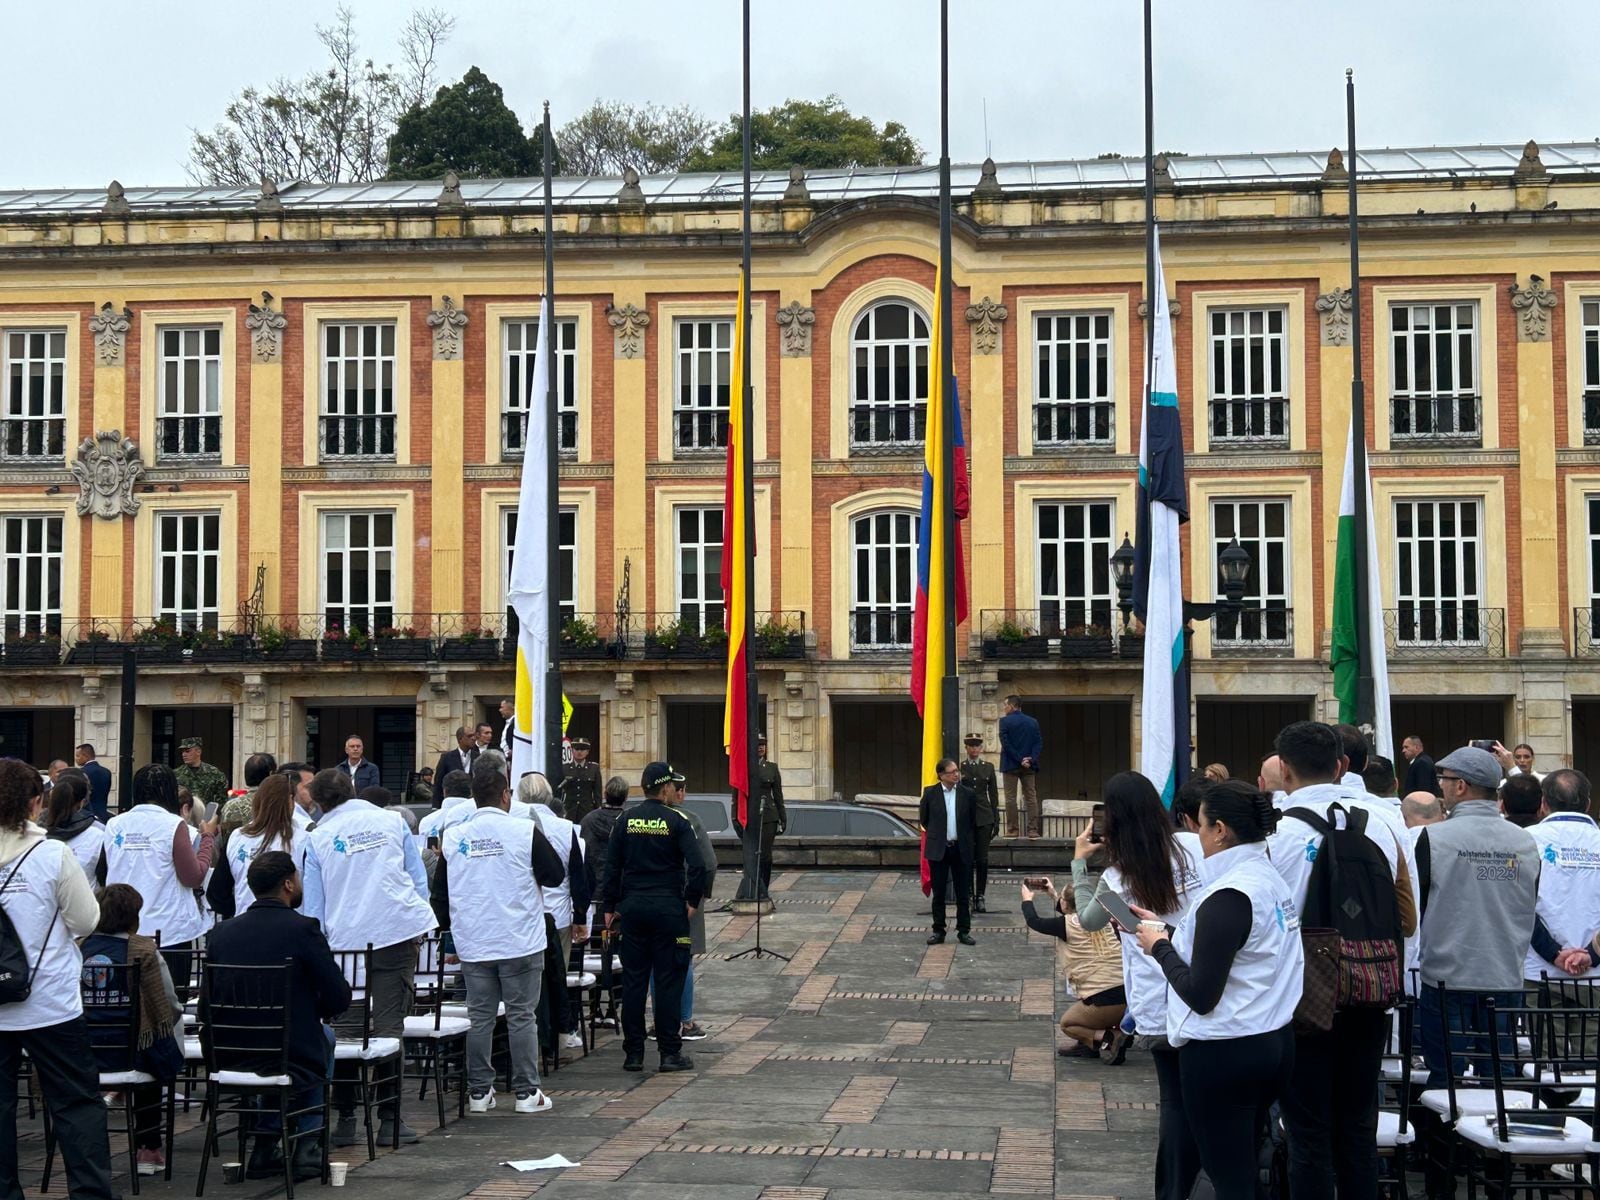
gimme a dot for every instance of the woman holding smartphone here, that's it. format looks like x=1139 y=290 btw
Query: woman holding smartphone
x=1235 y=968
x=1093 y=969
x=1155 y=868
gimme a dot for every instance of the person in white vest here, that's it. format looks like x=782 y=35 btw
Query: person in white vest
x=495 y=876
x=1567 y=913
x=1151 y=865
x=152 y=849
x=567 y=903
x=272 y=826
x=70 y=820
x=364 y=880
x=1234 y=969
x=49 y=903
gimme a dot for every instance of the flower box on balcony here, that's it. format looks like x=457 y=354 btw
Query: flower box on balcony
x=33 y=652
x=99 y=652
x=402 y=647
x=1083 y=645
x=477 y=648
x=230 y=647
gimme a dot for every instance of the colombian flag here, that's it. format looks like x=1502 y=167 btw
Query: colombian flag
x=928 y=621
x=736 y=578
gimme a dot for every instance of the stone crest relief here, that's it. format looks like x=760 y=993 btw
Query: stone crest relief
x=986 y=317
x=110 y=329
x=107 y=469
x=629 y=321
x=447 y=323
x=1533 y=304
x=266 y=330
x=1335 y=309
x=796 y=320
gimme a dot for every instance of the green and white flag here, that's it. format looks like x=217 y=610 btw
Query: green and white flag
x=1346 y=649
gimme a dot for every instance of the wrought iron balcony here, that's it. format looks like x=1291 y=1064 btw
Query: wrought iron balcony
x=1061 y=424
x=880 y=629
x=358 y=437
x=1586 y=631
x=33 y=438
x=189 y=437
x=700 y=431
x=1451 y=629
x=1074 y=632
x=514 y=433
x=888 y=428
x=1253 y=633
x=1250 y=423
x=1591 y=418
x=31 y=641
x=1436 y=420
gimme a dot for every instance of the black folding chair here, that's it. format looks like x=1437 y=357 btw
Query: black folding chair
x=435 y=1035
x=374 y=1061
x=1396 y=1134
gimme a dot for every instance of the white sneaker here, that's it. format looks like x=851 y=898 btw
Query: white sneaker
x=534 y=1101
x=481 y=1104
x=572 y=1041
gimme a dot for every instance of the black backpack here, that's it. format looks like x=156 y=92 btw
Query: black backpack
x=16 y=980
x=1350 y=925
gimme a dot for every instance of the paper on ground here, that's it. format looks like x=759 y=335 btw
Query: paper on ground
x=540 y=1164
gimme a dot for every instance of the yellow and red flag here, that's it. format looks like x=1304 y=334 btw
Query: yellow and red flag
x=736 y=583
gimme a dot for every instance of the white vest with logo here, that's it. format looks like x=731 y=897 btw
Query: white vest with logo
x=1569 y=885
x=30 y=901
x=139 y=853
x=558 y=831
x=496 y=906
x=1142 y=978
x=1267 y=976
x=244 y=848
x=368 y=897
x=86 y=848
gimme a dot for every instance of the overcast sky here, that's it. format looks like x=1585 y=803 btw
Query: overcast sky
x=113 y=91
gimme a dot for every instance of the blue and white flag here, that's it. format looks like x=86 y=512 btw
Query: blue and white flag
x=1158 y=576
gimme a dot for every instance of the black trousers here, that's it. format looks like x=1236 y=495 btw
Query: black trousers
x=952 y=870
x=655 y=940
x=768 y=834
x=71 y=1085
x=1330 y=1109
x=557 y=999
x=1177 y=1157
x=980 y=859
x=1228 y=1087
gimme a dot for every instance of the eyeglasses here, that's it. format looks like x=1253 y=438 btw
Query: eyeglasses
x=1451 y=779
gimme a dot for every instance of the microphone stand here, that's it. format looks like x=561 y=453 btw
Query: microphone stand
x=758 y=951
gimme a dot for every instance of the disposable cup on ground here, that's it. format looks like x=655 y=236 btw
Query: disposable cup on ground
x=232 y=1172
x=337 y=1172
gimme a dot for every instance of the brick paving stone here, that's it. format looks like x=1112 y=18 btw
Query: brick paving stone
x=846 y=904
x=1034 y=1064
x=861 y=1099
x=1022 y=1166
x=855 y=930
x=812 y=993
x=1038 y=998
x=794 y=1193
x=936 y=962
x=805 y=959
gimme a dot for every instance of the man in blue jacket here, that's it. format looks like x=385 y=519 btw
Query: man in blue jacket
x=363 y=774
x=1020 y=749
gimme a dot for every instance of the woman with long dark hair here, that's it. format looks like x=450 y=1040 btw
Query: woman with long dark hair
x=69 y=819
x=271 y=827
x=1151 y=866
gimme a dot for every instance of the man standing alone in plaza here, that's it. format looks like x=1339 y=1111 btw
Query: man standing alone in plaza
x=580 y=783
x=1021 y=747
x=205 y=783
x=774 y=817
x=979 y=775
x=947 y=814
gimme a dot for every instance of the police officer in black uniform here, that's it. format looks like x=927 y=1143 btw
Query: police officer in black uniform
x=654 y=880
x=980 y=777
x=581 y=783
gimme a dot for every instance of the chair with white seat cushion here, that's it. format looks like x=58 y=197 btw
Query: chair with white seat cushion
x=435 y=1041
x=1396 y=1134
x=375 y=1062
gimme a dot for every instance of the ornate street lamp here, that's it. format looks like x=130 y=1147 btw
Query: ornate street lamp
x=1233 y=564
x=1122 y=567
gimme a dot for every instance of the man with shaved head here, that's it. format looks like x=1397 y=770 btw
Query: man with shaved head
x=1270 y=780
x=1420 y=809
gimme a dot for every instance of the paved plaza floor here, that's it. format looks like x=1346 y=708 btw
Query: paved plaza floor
x=870 y=1067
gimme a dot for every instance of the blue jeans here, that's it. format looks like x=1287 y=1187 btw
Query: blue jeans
x=1466 y=1010
x=688 y=993
x=271 y=1125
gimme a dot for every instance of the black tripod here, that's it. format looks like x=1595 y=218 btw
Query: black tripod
x=758 y=951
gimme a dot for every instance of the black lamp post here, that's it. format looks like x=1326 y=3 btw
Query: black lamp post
x=1233 y=564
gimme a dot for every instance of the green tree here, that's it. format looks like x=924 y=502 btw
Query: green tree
x=468 y=129
x=650 y=138
x=809 y=133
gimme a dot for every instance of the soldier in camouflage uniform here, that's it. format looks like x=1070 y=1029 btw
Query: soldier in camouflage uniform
x=980 y=777
x=205 y=783
x=581 y=783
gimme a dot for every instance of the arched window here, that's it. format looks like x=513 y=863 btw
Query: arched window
x=889 y=377
x=883 y=585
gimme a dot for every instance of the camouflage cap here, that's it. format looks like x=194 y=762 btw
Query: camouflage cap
x=192 y=743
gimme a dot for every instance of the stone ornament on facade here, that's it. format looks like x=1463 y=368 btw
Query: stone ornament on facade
x=266 y=330
x=450 y=192
x=796 y=320
x=1335 y=309
x=107 y=468
x=1174 y=307
x=629 y=321
x=986 y=317
x=447 y=322
x=110 y=329
x=1533 y=304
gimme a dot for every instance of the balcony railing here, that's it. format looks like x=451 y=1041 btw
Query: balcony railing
x=1436 y=420
x=1253 y=633
x=1250 y=423
x=358 y=437
x=514 y=433
x=1453 y=629
x=888 y=428
x=880 y=629
x=1586 y=631
x=1064 y=423
x=1053 y=632
x=26 y=438
x=1591 y=418
x=189 y=437
x=31 y=641
x=700 y=430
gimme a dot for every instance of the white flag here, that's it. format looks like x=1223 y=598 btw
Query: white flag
x=528 y=590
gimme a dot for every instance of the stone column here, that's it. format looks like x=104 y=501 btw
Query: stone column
x=985 y=442
x=449 y=520
x=795 y=320
x=264 y=547
x=110 y=329
x=1337 y=369
x=792 y=741
x=1543 y=633
x=630 y=327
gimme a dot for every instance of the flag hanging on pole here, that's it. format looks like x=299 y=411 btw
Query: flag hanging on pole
x=928 y=619
x=526 y=590
x=736 y=582
x=1158 y=574
x=1348 y=624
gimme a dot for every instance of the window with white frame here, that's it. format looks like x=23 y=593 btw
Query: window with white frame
x=1073 y=573
x=889 y=377
x=30 y=575
x=188 y=569
x=883 y=585
x=702 y=383
x=189 y=408
x=699 y=567
x=521 y=342
x=1589 y=618
x=1591 y=372
x=36 y=405
x=358 y=384
x=1073 y=402
x=566 y=555
x=1249 y=376
x=358 y=562
x=1439 y=572
x=1435 y=368
x=1262 y=528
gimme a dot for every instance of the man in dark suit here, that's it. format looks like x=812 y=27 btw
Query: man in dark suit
x=99 y=782
x=268 y=933
x=1420 y=775
x=948 y=818
x=459 y=759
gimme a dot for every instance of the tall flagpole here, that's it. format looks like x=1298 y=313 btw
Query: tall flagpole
x=751 y=885
x=1366 y=705
x=950 y=730
x=552 y=678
